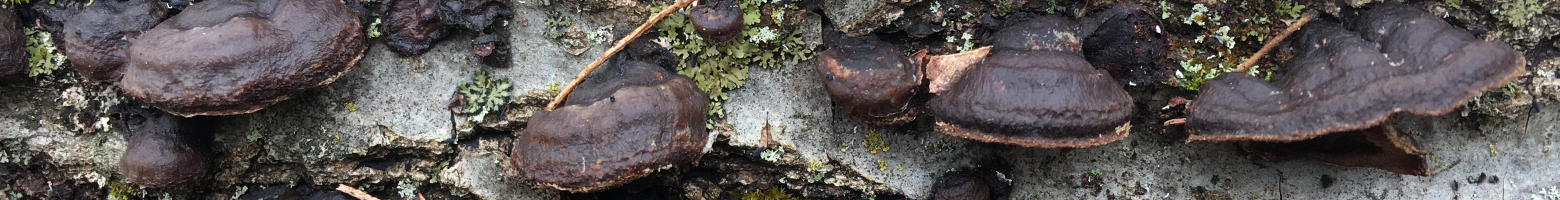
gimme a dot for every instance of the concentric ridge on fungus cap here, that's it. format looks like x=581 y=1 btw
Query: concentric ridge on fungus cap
x=1340 y=80
x=870 y=79
x=625 y=122
x=226 y=57
x=13 y=45
x=1035 y=90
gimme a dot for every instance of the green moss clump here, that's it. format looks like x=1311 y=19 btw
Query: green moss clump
x=483 y=95
x=1517 y=12
x=122 y=190
x=43 y=58
x=773 y=193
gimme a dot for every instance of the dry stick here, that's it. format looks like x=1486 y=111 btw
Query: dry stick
x=615 y=48
x=354 y=192
x=1269 y=46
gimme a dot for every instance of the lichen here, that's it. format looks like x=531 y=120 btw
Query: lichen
x=556 y=25
x=483 y=95
x=1517 y=12
x=373 y=29
x=874 y=142
x=406 y=189
x=1551 y=193
x=716 y=68
x=120 y=190
x=773 y=193
x=43 y=58
x=1291 y=8
x=1221 y=48
x=15 y=151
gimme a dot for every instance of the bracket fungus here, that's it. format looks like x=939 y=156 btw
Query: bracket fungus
x=717 y=20
x=1406 y=60
x=411 y=26
x=1393 y=58
x=629 y=119
x=13 y=45
x=1127 y=41
x=96 y=38
x=165 y=151
x=1034 y=89
x=226 y=57
x=870 y=79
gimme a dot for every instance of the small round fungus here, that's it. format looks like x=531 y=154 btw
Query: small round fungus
x=717 y=20
x=625 y=121
x=1035 y=90
x=13 y=45
x=166 y=151
x=870 y=79
x=96 y=39
x=225 y=57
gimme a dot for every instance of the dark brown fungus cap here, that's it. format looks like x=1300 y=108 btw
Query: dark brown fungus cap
x=717 y=20
x=1407 y=61
x=225 y=57
x=96 y=38
x=13 y=45
x=1035 y=90
x=1379 y=147
x=166 y=151
x=870 y=79
x=1127 y=41
x=412 y=26
x=625 y=121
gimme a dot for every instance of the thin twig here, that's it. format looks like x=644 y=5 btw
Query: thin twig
x=615 y=48
x=1269 y=46
x=354 y=192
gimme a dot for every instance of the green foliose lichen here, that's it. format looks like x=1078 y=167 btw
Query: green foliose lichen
x=1291 y=8
x=1517 y=12
x=120 y=190
x=42 y=57
x=716 y=68
x=373 y=29
x=484 y=94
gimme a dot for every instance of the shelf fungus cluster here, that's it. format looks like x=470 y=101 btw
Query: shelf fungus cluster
x=218 y=57
x=1345 y=80
x=13 y=54
x=628 y=119
x=1036 y=87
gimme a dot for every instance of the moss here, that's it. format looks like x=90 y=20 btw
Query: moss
x=43 y=58
x=773 y=193
x=1517 y=12
x=483 y=95
x=1220 y=48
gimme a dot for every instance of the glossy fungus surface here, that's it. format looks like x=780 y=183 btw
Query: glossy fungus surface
x=1394 y=59
x=870 y=79
x=1379 y=147
x=1127 y=41
x=96 y=38
x=1035 y=90
x=166 y=151
x=718 y=20
x=13 y=45
x=225 y=57
x=626 y=120
x=412 y=25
